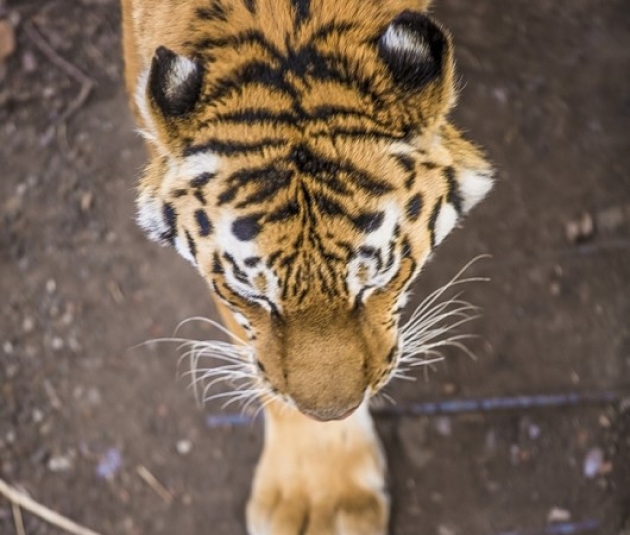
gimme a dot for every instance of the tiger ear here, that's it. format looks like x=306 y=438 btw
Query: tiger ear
x=174 y=83
x=418 y=54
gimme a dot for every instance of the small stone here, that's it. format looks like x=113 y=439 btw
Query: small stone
x=604 y=421
x=183 y=447
x=87 y=200
x=554 y=289
x=449 y=388
x=443 y=426
x=445 y=530
x=29 y=62
x=51 y=286
x=8 y=347
x=38 y=416
x=500 y=94
x=593 y=463
x=581 y=229
x=28 y=324
x=57 y=343
x=533 y=431
x=556 y=514
x=59 y=463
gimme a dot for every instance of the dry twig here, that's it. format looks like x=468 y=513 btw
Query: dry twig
x=27 y=503
x=152 y=481
x=17 y=519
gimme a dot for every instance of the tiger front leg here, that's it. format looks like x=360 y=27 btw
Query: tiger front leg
x=319 y=478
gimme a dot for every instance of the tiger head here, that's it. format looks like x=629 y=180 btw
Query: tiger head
x=303 y=162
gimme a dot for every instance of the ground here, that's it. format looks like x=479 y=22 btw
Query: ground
x=84 y=411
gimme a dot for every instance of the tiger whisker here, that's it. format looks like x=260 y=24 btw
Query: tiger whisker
x=214 y=323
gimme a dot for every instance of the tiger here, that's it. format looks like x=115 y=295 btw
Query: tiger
x=301 y=158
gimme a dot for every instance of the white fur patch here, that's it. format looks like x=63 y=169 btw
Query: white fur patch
x=180 y=71
x=149 y=216
x=473 y=186
x=445 y=222
x=149 y=132
x=398 y=38
x=178 y=174
x=182 y=248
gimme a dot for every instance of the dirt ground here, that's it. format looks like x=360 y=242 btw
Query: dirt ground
x=545 y=89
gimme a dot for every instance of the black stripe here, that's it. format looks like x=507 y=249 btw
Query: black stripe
x=363 y=133
x=410 y=181
x=238 y=272
x=203 y=221
x=328 y=112
x=179 y=193
x=217 y=267
x=330 y=28
x=338 y=68
x=406 y=162
x=369 y=183
x=256 y=72
x=325 y=171
x=368 y=222
x=328 y=206
x=250 y=116
x=247 y=37
x=288 y=211
x=250 y=5
x=169 y=215
x=216 y=11
x=200 y=196
x=270 y=186
x=251 y=261
x=302 y=10
x=267 y=174
x=454 y=195
x=433 y=220
x=271 y=259
x=229 y=148
x=201 y=180
x=429 y=165
x=414 y=207
x=191 y=245
x=406 y=248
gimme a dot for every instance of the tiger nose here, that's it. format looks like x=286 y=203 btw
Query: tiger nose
x=326 y=415
x=333 y=398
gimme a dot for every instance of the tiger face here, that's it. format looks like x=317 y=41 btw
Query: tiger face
x=306 y=167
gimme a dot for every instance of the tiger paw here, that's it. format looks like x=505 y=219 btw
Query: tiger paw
x=319 y=478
